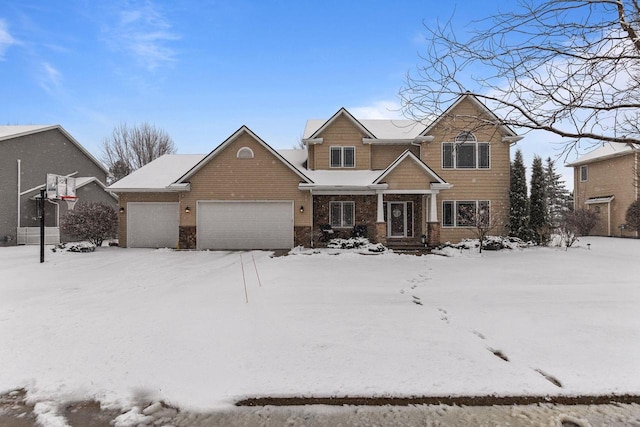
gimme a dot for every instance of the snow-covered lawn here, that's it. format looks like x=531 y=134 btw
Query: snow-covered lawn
x=128 y=325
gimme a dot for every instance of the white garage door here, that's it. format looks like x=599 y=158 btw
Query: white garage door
x=245 y=225
x=152 y=225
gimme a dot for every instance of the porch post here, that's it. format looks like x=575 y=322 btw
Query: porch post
x=381 y=226
x=433 y=226
x=433 y=208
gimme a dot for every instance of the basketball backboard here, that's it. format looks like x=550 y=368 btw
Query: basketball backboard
x=60 y=187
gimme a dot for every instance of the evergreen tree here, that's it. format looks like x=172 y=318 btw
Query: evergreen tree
x=557 y=194
x=538 y=210
x=519 y=203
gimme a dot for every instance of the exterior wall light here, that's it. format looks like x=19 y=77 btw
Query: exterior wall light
x=122 y=209
x=187 y=210
x=301 y=209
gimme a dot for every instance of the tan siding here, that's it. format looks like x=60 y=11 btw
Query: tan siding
x=125 y=198
x=471 y=184
x=609 y=177
x=408 y=175
x=311 y=159
x=264 y=177
x=342 y=132
x=383 y=155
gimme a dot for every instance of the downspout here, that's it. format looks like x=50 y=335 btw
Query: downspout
x=19 y=178
x=609 y=217
x=311 y=210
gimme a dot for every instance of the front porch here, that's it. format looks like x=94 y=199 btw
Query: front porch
x=395 y=219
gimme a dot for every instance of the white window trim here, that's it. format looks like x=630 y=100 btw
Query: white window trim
x=342 y=203
x=341 y=148
x=454 y=159
x=455 y=212
x=245 y=149
x=586 y=169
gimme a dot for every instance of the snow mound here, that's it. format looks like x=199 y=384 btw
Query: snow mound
x=74 y=247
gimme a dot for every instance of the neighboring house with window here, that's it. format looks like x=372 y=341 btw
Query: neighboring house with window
x=27 y=154
x=397 y=179
x=606 y=181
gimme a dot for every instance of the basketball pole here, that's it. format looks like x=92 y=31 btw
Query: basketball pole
x=42 y=195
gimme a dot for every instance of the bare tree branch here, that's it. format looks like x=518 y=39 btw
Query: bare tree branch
x=128 y=149
x=569 y=67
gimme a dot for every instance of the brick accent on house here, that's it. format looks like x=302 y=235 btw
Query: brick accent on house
x=302 y=236
x=187 y=237
x=433 y=234
x=381 y=233
x=365 y=213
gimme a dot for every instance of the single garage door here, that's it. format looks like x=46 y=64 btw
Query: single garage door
x=245 y=225
x=152 y=225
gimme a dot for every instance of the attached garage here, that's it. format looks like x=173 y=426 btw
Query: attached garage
x=152 y=224
x=244 y=225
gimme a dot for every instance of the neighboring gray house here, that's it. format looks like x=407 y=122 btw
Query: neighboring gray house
x=27 y=154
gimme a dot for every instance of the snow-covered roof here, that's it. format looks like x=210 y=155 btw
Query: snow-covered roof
x=380 y=128
x=343 y=178
x=607 y=150
x=8 y=131
x=296 y=157
x=159 y=174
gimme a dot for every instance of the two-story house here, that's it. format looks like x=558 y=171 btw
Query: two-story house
x=606 y=181
x=397 y=179
x=27 y=154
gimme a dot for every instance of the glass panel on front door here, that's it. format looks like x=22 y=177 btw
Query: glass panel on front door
x=397 y=219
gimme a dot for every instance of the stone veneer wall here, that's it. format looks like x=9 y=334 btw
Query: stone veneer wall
x=302 y=236
x=187 y=237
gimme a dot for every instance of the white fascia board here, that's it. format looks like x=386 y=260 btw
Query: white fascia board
x=313 y=141
x=419 y=191
x=342 y=188
x=438 y=186
x=168 y=189
x=423 y=138
x=597 y=200
x=180 y=187
x=512 y=139
x=387 y=141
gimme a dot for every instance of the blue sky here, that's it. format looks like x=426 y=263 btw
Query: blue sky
x=202 y=69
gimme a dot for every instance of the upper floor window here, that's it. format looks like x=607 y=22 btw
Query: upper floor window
x=584 y=173
x=245 y=153
x=343 y=157
x=465 y=153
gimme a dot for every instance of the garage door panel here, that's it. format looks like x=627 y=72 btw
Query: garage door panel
x=152 y=225
x=245 y=225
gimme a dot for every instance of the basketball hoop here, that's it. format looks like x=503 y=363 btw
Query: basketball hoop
x=71 y=201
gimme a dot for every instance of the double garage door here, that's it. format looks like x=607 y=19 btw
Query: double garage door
x=245 y=225
x=220 y=225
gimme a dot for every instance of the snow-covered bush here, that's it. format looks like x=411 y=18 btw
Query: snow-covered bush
x=491 y=243
x=75 y=247
x=94 y=222
x=356 y=243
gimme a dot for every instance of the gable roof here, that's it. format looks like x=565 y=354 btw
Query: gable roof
x=157 y=175
x=341 y=112
x=409 y=155
x=467 y=96
x=10 y=132
x=606 y=151
x=233 y=137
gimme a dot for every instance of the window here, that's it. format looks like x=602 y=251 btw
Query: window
x=584 y=173
x=341 y=214
x=245 y=153
x=343 y=157
x=468 y=213
x=465 y=153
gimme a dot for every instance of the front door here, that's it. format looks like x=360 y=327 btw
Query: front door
x=397 y=219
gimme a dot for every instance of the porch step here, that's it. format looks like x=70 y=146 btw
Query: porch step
x=409 y=248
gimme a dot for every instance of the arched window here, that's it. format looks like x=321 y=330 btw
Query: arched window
x=245 y=153
x=466 y=137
